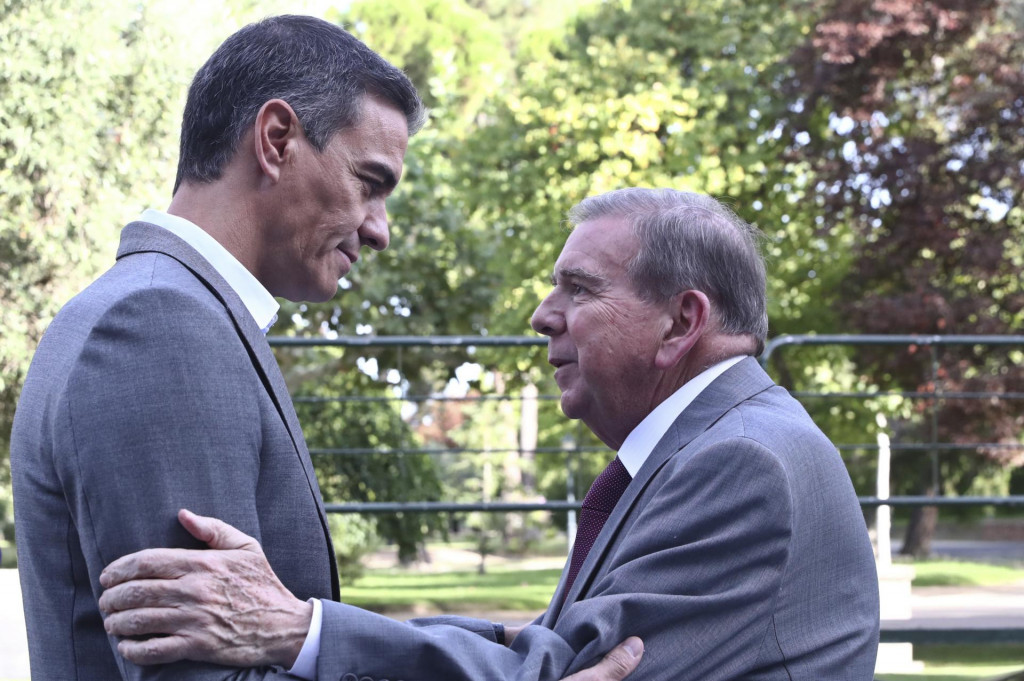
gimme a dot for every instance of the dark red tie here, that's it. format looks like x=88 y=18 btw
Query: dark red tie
x=597 y=506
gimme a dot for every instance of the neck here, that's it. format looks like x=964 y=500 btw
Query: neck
x=215 y=209
x=708 y=352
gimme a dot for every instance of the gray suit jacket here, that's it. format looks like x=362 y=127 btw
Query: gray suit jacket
x=151 y=391
x=737 y=552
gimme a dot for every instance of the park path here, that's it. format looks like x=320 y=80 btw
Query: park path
x=13 y=644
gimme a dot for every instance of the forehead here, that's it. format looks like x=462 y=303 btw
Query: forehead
x=603 y=245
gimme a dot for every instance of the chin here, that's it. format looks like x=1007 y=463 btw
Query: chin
x=571 y=409
x=320 y=294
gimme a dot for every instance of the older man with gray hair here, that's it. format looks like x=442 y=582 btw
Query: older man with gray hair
x=725 y=532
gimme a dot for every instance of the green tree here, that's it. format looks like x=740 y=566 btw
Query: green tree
x=921 y=163
x=353 y=426
x=89 y=95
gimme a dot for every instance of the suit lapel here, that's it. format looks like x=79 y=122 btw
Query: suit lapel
x=739 y=383
x=142 y=237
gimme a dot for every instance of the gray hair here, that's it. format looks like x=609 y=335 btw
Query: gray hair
x=690 y=241
x=322 y=71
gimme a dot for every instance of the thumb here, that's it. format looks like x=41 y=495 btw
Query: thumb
x=217 y=534
x=622 y=659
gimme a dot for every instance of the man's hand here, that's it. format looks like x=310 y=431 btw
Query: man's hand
x=225 y=606
x=616 y=665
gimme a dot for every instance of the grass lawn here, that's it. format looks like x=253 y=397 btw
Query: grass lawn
x=509 y=587
x=959 y=573
x=501 y=588
x=963 y=662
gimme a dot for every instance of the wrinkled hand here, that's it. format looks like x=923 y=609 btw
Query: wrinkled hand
x=224 y=605
x=616 y=665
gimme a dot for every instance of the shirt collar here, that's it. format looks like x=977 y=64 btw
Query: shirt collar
x=641 y=441
x=255 y=297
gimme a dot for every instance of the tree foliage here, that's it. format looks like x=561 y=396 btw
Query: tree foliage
x=921 y=163
x=87 y=137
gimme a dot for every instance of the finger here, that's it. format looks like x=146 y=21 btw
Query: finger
x=616 y=665
x=145 y=622
x=621 y=660
x=511 y=631
x=147 y=564
x=160 y=650
x=216 y=533
x=145 y=593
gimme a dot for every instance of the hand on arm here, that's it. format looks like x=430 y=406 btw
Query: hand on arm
x=224 y=606
x=616 y=665
x=511 y=631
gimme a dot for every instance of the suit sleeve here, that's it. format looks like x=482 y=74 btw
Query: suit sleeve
x=695 y=577
x=159 y=413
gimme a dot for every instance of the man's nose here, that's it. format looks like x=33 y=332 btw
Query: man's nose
x=374 y=231
x=547 y=319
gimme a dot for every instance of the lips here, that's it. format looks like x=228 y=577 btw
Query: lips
x=351 y=255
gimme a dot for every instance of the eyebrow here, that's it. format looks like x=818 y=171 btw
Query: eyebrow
x=579 y=274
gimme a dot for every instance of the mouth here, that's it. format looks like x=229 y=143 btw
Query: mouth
x=352 y=256
x=558 y=362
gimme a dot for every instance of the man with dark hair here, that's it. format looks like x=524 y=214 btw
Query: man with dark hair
x=155 y=388
x=725 y=532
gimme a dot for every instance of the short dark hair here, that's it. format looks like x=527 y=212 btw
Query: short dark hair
x=322 y=71
x=691 y=241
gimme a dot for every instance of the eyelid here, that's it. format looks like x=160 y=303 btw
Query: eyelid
x=374 y=186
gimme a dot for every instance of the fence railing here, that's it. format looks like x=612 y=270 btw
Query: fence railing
x=932 y=445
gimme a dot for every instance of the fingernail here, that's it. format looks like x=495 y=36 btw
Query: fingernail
x=634 y=646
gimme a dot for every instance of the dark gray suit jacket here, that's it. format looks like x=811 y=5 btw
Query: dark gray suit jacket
x=738 y=552
x=152 y=390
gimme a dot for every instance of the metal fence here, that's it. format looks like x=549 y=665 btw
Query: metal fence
x=934 y=397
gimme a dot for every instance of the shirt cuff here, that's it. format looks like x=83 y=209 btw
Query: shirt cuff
x=305 y=663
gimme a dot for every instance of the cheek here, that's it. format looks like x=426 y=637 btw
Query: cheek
x=616 y=342
x=599 y=336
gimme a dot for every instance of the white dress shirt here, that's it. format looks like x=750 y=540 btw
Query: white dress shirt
x=255 y=297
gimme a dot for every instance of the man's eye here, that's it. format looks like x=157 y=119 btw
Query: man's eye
x=577 y=289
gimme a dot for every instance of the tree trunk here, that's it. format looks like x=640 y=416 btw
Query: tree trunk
x=917 y=542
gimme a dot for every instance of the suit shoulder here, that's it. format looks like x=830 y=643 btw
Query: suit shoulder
x=776 y=420
x=146 y=286
x=151 y=305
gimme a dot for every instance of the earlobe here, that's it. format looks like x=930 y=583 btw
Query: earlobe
x=276 y=131
x=689 y=312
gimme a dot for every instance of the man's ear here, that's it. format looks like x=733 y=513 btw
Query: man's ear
x=277 y=133
x=690 y=313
